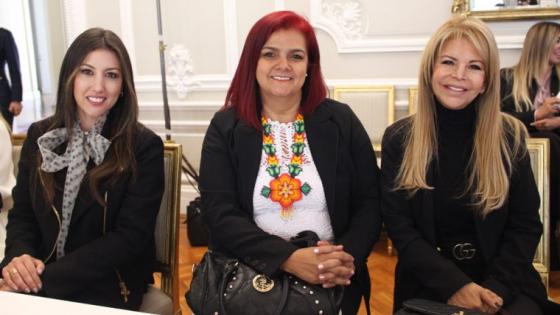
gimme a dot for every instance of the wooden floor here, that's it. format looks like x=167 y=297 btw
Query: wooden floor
x=381 y=267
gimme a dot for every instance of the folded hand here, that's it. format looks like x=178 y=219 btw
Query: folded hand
x=22 y=274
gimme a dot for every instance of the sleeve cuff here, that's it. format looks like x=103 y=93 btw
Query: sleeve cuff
x=498 y=288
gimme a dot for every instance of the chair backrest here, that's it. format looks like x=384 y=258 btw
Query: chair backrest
x=539 y=149
x=373 y=104
x=17 y=143
x=167 y=225
x=412 y=99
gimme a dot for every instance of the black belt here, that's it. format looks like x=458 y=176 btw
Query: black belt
x=460 y=249
x=463 y=251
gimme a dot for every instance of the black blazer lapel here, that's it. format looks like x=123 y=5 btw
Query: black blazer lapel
x=247 y=149
x=85 y=199
x=322 y=136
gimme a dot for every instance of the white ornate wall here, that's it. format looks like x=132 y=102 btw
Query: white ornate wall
x=362 y=42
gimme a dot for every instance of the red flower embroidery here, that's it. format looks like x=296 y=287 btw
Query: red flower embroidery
x=285 y=190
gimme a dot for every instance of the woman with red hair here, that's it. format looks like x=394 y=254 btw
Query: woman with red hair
x=281 y=158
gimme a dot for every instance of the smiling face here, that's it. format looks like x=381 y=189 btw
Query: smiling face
x=282 y=67
x=97 y=86
x=458 y=76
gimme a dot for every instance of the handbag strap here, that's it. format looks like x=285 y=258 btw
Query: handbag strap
x=284 y=297
x=223 y=289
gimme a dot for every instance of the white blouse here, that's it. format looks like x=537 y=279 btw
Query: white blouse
x=310 y=212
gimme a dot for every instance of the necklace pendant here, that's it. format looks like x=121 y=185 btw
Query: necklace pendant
x=286 y=213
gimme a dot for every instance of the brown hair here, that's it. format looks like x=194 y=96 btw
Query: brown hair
x=122 y=118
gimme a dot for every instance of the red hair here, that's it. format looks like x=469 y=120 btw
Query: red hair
x=243 y=94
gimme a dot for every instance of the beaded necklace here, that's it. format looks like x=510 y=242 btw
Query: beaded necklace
x=285 y=188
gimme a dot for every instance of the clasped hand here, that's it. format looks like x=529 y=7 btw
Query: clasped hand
x=22 y=275
x=324 y=264
x=475 y=297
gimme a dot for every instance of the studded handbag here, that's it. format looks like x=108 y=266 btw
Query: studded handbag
x=224 y=285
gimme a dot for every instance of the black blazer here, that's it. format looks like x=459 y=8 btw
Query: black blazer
x=345 y=160
x=507 y=237
x=87 y=273
x=9 y=55
x=508 y=104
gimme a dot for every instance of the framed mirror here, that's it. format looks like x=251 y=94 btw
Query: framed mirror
x=503 y=10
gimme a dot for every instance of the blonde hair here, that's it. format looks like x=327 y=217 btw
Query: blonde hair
x=533 y=62
x=491 y=158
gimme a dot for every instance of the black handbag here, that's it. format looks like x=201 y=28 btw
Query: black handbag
x=224 y=285
x=427 y=307
x=197 y=230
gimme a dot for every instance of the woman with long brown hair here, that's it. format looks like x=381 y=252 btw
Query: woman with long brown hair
x=89 y=186
x=458 y=195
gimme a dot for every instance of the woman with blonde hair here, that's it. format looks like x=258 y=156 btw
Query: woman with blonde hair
x=529 y=92
x=459 y=198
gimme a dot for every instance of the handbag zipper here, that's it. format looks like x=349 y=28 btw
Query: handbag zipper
x=58 y=234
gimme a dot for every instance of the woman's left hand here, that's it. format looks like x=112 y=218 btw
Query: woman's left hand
x=547 y=123
x=22 y=274
x=336 y=267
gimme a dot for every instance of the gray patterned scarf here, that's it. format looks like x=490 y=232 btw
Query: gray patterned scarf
x=81 y=147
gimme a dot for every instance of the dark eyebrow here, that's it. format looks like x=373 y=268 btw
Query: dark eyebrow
x=108 y=69
x=291 y=50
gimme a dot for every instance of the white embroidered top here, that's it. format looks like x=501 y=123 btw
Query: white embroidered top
x=310 y=212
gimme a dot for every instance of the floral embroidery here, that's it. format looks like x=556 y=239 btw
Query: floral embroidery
x=285 y=188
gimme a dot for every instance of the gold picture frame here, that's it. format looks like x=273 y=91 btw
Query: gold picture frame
x=412 y=99
x=539 y=149
x=506 y=14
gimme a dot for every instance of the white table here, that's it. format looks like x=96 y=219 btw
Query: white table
x=23 y=304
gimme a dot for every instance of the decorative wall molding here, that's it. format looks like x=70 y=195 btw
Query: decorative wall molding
x=399 y=83
x=342 y=21
x=180 y=127
x=127 y=30
x=230 y=36
x=74 y=18
x=184 y=105
x=209 y=82
x=180 y=70
x=346 y=15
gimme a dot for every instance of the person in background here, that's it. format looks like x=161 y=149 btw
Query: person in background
x=459 y=199
x=7 y=180
x=10 y=92
x=280 y=158
x=89 y=187
x=529 y=92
